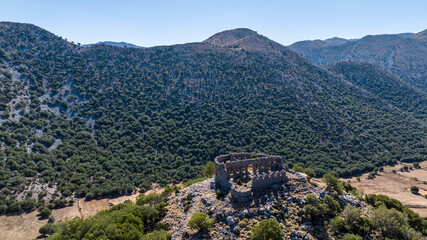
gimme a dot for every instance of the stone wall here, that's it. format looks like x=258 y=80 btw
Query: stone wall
x=237 y=164
x=265 y=181
x=241 y=196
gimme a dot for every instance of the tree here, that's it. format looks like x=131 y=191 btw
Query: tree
x=351 y=214
x=415 y=189
x=310 y=172
x=298 y=168
x=47 y=229
x=332 y=183
x=332 y=206
x=337 y=224
x=45 y=213
x=200 y=222
x=267 y=229
x=208 y=170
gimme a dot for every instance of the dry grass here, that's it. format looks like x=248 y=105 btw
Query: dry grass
x=26 y=226
x=397 y=185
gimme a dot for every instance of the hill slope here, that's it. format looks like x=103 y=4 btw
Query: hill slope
x=384 y=85
x=403 y=55
x=115 y=44
x=101 y=121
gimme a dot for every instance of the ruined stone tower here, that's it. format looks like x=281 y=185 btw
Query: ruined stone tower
x=242 y=174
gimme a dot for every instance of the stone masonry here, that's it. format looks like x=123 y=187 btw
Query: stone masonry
x=259 y=171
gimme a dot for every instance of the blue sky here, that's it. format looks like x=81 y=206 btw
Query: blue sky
x=151 y=23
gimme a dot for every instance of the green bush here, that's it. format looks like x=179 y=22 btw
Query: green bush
x=200 y=221
x=349 y=236
x=47 y=229
x=332 y=183
x=351 y=214
x=157 y=235
x=415 y=189
x=337 y=224
x=332 y=206
x=310 y=172
x=45 y=213
x=208 y=170
x=244 y=222
x=267 y=229
x=298 y=168
x=150 y=199
x=394 y=224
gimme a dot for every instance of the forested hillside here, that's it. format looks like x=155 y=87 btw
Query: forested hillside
x=101 y=121
x=404 y=55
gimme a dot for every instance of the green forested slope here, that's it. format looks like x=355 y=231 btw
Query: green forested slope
x=126 y=118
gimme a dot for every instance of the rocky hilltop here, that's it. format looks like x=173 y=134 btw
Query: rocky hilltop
x=284 y=204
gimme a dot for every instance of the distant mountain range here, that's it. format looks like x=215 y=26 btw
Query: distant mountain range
x=115 y=44
x=404 y=55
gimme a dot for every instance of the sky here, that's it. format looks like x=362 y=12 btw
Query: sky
x=166 y=22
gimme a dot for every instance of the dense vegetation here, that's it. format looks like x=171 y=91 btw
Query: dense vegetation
x=104 y=121
x=402 y=55
x=123 y=221
x=387 y=217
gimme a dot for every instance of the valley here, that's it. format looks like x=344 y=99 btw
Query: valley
x=89 y=126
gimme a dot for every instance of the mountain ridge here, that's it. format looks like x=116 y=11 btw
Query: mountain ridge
x=402 y=55
x=127 y=118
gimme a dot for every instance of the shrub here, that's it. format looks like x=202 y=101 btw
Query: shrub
x=200 y=221
x=394 y=224
x=351 y=214
x=337 y=224
x=193 y=181
x=310 y=172
x=311 y=199
x=208 y=170
x=47 y=229
x=244 y=222
x=349 y=236
x=312 y=212
x=332 y=206
x=371 y=175
x=267 y=229
x=332 y=183
x=298 y=168
x=50 y=219
x=364 y=226
x=157 y=235
x=150 y=199
x=415 y=189
x=45 y=213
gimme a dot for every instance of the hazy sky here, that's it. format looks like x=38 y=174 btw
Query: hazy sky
x=150 y=23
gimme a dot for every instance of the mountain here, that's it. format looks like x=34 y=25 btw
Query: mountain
x=384 y=85
x=335 y=41
x=404 y=55
x=115 y=44
x=102 y=121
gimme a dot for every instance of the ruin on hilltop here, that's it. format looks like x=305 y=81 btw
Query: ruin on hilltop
x=243 y=174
